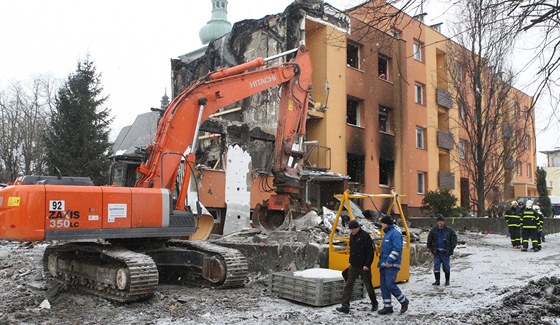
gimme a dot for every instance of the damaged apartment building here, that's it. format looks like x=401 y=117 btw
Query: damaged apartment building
x=381 y=118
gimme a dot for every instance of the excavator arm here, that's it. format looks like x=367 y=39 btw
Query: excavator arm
x=178 y=129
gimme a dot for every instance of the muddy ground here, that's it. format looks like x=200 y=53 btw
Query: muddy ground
x=491 y=283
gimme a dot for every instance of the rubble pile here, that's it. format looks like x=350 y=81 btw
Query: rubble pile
x=536 y=303
x=21 y=267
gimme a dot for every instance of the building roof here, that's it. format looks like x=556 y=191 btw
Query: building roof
x=140 y=134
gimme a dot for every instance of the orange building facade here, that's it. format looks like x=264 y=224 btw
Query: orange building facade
x=402 y=129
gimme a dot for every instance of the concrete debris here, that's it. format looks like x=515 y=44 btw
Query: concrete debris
x=486 y=288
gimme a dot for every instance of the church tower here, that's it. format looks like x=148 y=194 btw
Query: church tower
x=218 y=26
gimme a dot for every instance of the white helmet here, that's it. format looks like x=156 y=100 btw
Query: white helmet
x=537 y=208
x=529 y=204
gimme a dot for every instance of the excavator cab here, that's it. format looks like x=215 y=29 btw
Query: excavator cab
x=123 y=172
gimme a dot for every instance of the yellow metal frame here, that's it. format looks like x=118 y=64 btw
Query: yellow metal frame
x=339 y=258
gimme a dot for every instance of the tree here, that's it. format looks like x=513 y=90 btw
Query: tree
x=544 y=200
x=540 y=20
x=444 y=202
x=78 y=138
x=24 y=110
x=493 y=122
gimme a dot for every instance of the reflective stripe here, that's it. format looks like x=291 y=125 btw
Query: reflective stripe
x=395 y=253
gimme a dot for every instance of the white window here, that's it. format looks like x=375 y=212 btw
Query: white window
x=526 y=142
x=420 y=142
x=529 y=170
x=460 y=73
x=417 y=51
x=419 y=93
x=462 y=147
x=421 y=184
x=493 y=161
x=518 y=168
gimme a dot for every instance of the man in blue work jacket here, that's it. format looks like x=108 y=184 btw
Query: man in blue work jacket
x=389 y=265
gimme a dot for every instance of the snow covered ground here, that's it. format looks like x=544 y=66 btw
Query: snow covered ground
x=486 y=278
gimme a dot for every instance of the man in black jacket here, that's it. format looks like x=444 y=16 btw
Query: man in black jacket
x=361 y=258
x=442 y=240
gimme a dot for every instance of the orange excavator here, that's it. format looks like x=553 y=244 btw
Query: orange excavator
x=119 y=241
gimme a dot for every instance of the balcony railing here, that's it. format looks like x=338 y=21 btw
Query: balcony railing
x=446 y=180
x=445 y=140
x=444 y=98
x=317 y=157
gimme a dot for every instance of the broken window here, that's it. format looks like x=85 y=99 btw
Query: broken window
x=355 y=167
x=384 y=119
x=353 y=55
x=383 y=65
x=353 y=111
x=386 y=172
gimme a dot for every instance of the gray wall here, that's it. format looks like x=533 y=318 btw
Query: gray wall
x=492 y=225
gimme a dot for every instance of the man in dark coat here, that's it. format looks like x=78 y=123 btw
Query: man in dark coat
x=361 y=258
x=442 y=240
x=513 y=220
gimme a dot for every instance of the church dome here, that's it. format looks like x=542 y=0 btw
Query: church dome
x=218 y=26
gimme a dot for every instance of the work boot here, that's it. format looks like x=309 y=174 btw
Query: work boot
x=374 y=306
x=385 y=311
x=404 y=306
x=343 y=309
x=524 y=249
x=447 y=278
x=437 y=276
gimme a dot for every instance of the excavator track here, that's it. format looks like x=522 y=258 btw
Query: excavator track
x=114 y=273
x=233 y=264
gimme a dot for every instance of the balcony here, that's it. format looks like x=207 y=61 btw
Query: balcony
x=446 y=180
x=444 y=98
x=445 y=140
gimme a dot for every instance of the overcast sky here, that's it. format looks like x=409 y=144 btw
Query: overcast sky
x=130 y=42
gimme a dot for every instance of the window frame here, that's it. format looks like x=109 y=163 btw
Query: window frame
x=462 y=149
x=421 y=176
x=419 y=90
x=386 y=111
x=417 y=48
x=387 y=73
x=358 y=57
x=420 y=138
x=518 y=168
x=358 y=113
